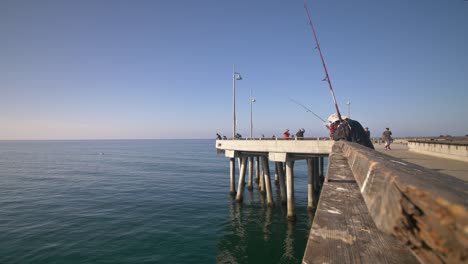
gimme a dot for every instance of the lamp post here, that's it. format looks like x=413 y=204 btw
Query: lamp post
x=349 y=108
x=252 y=100
x=235 y=76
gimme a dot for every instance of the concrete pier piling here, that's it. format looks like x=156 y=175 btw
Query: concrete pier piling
x=267 y=181
x=276 y=176
x=316 y=176
x=240 y=189
x=290 y=189
x=257 y=169
x=310 y=184
x=279 y=167
x=261 y=184
x=250 y=174
x=232 y=173
x=322 y=169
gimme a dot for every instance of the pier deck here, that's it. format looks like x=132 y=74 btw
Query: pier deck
x=375 y=206
x=455 y=168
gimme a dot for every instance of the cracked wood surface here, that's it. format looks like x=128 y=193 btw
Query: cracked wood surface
x=424 y=209
x=343 y=231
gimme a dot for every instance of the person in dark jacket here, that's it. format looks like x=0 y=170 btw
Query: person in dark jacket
x=350 y=130
x=367 y=131
x=300 y=133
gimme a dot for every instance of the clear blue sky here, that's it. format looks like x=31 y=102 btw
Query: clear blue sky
x=163 y=69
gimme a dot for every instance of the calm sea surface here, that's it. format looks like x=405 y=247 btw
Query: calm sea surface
x=138 y=201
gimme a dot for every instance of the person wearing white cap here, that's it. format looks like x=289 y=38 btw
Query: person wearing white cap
x=349 y=130
x=334 y=118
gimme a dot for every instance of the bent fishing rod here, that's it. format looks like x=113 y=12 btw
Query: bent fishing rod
x=327 y=77
x=308 y=110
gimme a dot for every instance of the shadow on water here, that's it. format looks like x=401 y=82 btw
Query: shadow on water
x=256 y=233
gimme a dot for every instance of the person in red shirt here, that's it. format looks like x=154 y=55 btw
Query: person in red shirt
x=331 y=128
x=286 y=134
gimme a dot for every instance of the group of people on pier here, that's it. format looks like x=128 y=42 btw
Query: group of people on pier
x=351 y=130
x=299 y=133
x=344 y=129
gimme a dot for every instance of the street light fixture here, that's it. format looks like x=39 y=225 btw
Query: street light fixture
x=235 y=76
x=349 y=108
x=252 y=100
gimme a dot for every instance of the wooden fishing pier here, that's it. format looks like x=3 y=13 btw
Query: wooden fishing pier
x=371 y=207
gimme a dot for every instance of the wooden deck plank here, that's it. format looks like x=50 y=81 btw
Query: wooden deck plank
x=343 y=231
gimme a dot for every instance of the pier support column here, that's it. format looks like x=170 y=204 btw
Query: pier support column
x=261 y=184
x=240 y=188
x=279 y=167
x=290 y=189
x=276 y=176
x=257 y=169
x=322 y=171
x=310 y=184
x=250 y=174
x=316 y=176
x=232 y=172
x=240 y=163
x=267 y=181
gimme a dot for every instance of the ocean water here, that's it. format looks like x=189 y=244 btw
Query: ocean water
x=138 y=201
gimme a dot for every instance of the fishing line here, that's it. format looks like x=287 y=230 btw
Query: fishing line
x=307 y=109
x=327 y=77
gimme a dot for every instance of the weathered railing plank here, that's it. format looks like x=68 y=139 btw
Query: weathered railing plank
x=343 y=230
x=423 y=208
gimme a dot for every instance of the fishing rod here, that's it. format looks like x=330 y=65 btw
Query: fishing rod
x=308 y=110
x=327 y=77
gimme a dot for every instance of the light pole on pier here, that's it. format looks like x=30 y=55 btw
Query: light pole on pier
x=235 y=76
x=252 y=100
x=349 y=108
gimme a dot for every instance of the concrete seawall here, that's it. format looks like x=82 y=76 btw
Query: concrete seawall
x=448 y=150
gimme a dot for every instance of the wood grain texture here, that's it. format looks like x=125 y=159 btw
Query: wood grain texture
x=423 y=208
x=343 y=231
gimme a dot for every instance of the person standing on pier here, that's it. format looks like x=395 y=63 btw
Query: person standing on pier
x=286 y=134
x=331 y=128
x=387 y=138
x=350 y=130
x=300 y=133
x=367 y=131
